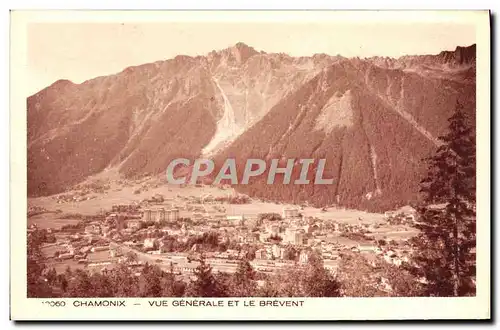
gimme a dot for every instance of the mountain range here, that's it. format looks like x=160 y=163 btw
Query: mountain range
x=372 y=119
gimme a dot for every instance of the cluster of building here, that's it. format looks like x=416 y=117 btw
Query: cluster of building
x=270 y=237
x=79 y=246
x=402 y=216
x=160 y=215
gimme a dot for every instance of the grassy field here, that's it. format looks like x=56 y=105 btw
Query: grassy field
x=341 y=240
x=121 y=192
x=49 y=220
x=98 y=256
x=124 y=193
x=336 y=214
x=49 y=250
x=394 y=233
x=61 y=265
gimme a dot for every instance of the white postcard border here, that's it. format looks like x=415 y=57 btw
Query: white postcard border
x=23 y=308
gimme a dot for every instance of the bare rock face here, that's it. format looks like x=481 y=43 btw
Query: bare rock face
x=372 y=119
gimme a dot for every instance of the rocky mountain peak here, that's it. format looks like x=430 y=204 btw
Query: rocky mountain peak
x=465 y=55
x=241 y=103
x=238 y=54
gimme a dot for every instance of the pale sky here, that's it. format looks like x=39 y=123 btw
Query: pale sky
x=81 y=51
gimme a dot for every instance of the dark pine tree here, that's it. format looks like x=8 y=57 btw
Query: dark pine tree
x=243 y=280
x=317 y=281
x=151 y=281
x=37 y=287
x=205 y=283
x=444 y=248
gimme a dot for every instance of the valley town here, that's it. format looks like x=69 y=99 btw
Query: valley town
x=144 y=223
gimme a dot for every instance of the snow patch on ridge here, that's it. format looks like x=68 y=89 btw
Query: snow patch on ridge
x=227 y=129
x=337 y=112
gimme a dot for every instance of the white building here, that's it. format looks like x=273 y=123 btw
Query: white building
x=93 y=230
x=113 y=253
x=277 y=251
x=66 y=256
x=100 y=248
x=294 y=236
x=261 y=254
x=290 y=213
x=160 y=215
x=133 y=224
x=235 y=218
x=149 y=243
x=264 y=236
x=304 y=256
x=273 y=228
x=367 y=248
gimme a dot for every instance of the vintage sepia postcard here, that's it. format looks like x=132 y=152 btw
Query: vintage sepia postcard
x=260 y=165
